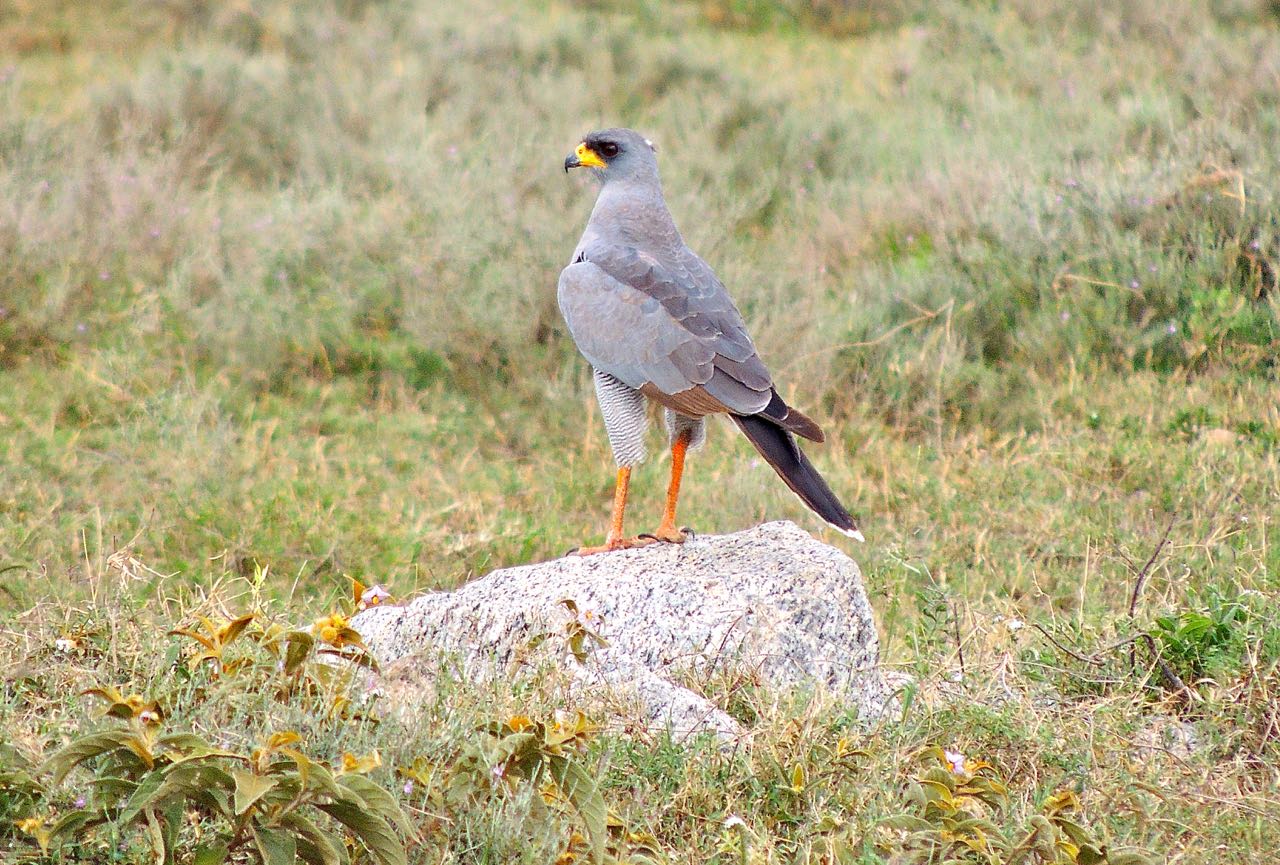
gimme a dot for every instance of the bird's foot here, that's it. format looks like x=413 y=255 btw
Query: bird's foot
x=668 y=535
x=612 y=545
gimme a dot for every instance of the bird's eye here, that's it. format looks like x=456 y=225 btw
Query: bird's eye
x=608 y=150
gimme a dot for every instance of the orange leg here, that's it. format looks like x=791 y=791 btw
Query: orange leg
x=615 y=540
x=667 y=530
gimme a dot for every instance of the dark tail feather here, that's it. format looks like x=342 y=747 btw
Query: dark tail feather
x=781 y=451
x=792 y=419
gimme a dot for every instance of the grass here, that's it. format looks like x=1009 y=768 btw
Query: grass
x=277 y=308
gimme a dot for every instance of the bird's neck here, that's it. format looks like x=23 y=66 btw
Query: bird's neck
x=633 y=211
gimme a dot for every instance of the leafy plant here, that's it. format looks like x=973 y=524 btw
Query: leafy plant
x=19 y=789
x=215 y=637
x=1207 y=641
x=544 y=755
x=954 y=806
x=288 y=649
x=261 y=806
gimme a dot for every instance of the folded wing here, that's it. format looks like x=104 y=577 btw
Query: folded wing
x=665 y=327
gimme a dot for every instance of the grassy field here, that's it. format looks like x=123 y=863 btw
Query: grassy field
x=277 y=311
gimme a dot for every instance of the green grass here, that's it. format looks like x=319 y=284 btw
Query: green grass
x=277 y=297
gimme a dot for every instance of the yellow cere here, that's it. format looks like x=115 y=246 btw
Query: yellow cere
x=588 y=157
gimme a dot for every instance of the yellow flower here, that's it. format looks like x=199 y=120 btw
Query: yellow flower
x=332 y=629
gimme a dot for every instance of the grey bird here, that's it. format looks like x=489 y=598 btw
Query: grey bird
x=654 y=322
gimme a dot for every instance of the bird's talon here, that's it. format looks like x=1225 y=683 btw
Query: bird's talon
x=669 y=536
x=613 y=545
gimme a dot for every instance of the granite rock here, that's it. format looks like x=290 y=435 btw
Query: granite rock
x=772 y=599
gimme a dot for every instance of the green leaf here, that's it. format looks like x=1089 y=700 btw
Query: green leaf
x=73 y=823
x=1091 y=855
x=907 y=823
x=311 y=854
x=298 y=649
x=379 y=801
x=1077 y=833
x=234 y=628
x=518 y=750
x=314 y=845
x=188 y=746
x=86 y=748
x=580 y=788
x=172 y=826
x=156 y=835
x=207 y=784
x=277 y=846
x=1129 y=856
x=17 y=780
x=932 y=790
x=112 y=788
x=940 y=777
x=374 y=832
x=210 y=854
x=249 y=789
x=144 y=796
x=310 y=774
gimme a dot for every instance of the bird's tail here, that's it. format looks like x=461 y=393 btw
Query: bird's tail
x=780 y=450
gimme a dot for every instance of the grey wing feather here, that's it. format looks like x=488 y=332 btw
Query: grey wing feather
x=627 y=334
x=668 y=323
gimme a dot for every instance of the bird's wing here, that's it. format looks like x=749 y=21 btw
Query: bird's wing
x=665 y=326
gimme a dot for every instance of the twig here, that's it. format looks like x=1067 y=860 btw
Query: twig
x=1093 y=662
x=1141 y=579
x=955 y=624
x=1170 y=676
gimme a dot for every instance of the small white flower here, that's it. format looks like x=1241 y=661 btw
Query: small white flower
x=956 y=759
x=65 y=644
x=1014 y=624
x=733 y=821
x=373 y=596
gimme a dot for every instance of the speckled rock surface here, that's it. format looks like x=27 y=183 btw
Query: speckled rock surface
x=771 y=598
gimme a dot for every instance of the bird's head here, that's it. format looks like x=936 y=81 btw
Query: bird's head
x=615 y=154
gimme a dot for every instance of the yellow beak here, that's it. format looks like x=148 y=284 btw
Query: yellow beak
x=583 y=157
